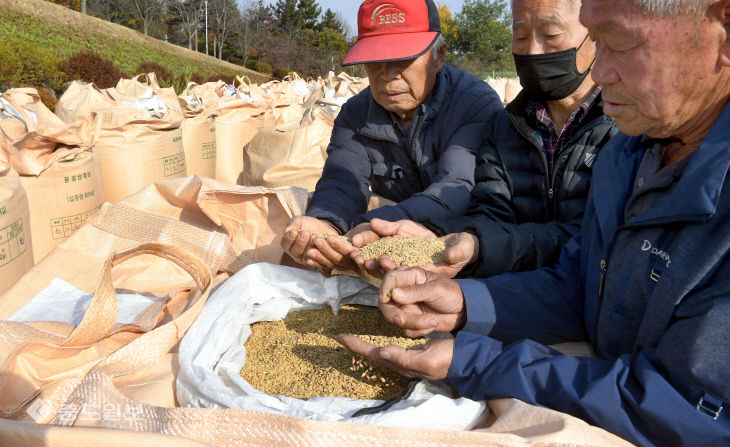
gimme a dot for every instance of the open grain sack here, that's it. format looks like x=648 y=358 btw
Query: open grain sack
x=199 y=104
x=60 y=172
x=16 y=252
x=241 y=113
x=291 y=154
x=215 y=350
x=139 y=133
x=227 y=226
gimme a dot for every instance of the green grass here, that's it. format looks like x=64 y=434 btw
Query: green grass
x=55 y=42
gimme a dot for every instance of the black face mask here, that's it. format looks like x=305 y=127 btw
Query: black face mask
x=551 y=76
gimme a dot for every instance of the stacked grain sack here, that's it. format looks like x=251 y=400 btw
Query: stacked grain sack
x=60 y=172
x=139 y=132
x=248 y=108
x=506 y=88
x=16 y=252
x=293 y=151
x=200 y=107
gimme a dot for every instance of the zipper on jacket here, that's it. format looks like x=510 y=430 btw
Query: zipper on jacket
x=412 y=144
x=602 y=282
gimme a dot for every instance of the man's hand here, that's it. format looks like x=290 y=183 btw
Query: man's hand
x=461 y=250
x=431 y=361
x=377 y=229
x=315 y=252
x=421 y=302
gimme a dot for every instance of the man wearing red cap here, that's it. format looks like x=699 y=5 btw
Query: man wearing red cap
x=411 y=137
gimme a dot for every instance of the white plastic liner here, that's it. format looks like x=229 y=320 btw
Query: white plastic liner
x=212 y=353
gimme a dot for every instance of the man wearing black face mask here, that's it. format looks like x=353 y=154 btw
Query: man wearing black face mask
x=533 y=176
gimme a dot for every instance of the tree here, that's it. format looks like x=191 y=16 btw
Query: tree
x=223 y=14
x=448 y=25
x=286 y=16
x=330 y=21
x=189 y=13
x=147 y=12
x=484 y=34
x=309 y=12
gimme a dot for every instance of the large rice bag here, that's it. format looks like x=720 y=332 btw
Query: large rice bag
x=60 y=172
x=16 y=252
x=139 y=133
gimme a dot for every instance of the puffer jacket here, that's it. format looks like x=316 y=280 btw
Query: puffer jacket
x=521 y=215
x=650 y=292
x=430 y=172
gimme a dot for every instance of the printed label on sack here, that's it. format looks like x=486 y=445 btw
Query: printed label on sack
x=12 y=242
x=63 y=227
x=209 y=150
x=174 y=164
x=81 y=176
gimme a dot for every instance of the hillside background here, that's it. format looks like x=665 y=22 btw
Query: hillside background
x=51 y=43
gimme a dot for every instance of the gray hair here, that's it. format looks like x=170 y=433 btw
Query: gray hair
x=440 y=42
x=663 y=8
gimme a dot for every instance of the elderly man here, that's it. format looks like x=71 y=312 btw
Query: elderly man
x=411 y=137
x=533 y=176
x=646 y=281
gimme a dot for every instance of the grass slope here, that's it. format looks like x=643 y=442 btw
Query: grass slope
x=57 y=33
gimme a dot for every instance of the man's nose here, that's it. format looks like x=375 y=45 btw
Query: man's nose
x=391 y=70
x=603 y=71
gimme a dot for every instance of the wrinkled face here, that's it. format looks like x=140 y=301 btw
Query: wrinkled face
x=549 y=26
x=400 y=87
x=657 y=73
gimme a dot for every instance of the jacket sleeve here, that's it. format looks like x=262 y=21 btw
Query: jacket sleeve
x=343 y=191
x=633 y=396
x=449 y=194
x=505 y=244
x=650 y=397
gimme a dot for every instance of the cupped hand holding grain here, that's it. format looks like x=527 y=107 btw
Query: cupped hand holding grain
x=421 y=302
x=297 y=240
x=378 y=229
x=430 y=361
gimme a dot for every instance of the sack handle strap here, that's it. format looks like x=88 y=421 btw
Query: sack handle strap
x=101 y=315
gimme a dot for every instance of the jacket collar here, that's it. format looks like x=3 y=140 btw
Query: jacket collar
x=379 y=124
x=698 y=191
x=696 y=196
x=517 y=112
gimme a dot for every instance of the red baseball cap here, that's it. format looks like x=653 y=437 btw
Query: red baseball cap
x=394 y=30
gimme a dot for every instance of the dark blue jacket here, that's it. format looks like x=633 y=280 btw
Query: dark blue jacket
x=652 y=295
x=522 y=215
x=430 y=172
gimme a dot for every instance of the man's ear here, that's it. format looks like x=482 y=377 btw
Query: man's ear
x=442 y=56
x=724 y=16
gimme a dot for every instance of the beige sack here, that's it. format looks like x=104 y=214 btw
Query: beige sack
x=291 y=154
x=512 y=89
x=63 y=181
x=62 y=198
x=136 y=145
x=236 y=125
x=199 y=144
x=16 y=252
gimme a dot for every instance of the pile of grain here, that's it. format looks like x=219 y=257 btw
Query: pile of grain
x=299 y=356
x=326 y=235
x=410 y=251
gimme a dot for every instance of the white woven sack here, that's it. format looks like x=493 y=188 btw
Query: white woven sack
x=212 y=353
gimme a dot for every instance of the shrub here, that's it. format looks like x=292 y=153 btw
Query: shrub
x=263 y=67
x=251 y=63
x=164 y=75
x=47 y=96
x=24 y=63
x=88 y=66
x=228 y=79
x=281 y=73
